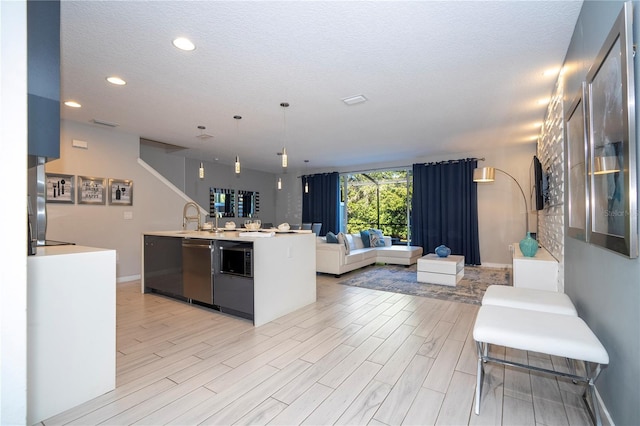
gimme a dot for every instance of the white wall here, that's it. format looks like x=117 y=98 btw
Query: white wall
x=111 y=154
x=13 y=274
x=183 y=173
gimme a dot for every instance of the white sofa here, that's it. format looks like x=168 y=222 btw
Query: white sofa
x=333 y=258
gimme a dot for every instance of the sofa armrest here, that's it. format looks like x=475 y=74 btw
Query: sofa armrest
x=330 y=257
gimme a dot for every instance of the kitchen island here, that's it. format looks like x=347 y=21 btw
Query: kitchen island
x=283 y=276
x=71 y=331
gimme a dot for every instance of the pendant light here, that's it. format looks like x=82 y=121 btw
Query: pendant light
x=285 y=159
x=306 y=179
x=237 y=164
x=201 y=168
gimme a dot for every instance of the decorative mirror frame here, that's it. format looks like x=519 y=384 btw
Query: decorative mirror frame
x=611 y=124
x=253 y=207
x=221 y=195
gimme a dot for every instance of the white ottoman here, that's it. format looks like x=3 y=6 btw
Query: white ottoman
x=448 y=270
x=398 y=255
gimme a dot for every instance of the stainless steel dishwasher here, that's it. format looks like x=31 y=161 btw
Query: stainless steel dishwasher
x=197 y=270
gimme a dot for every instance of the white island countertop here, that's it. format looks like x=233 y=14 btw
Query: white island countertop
x=233 y=235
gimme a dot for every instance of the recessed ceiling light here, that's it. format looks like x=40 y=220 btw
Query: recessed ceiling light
x=116 y=80
x=356 y=99
x=72 y=104
x=184 y=44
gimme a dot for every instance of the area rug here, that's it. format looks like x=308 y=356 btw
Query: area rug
x=400 y=279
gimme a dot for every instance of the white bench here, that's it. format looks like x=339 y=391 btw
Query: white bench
x=526 y=298
x=556 y=334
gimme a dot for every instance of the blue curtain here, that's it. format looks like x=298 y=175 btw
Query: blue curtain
x=321 y=203
x=445 y=208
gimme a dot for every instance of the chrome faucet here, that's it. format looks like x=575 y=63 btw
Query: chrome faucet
x=186 y=218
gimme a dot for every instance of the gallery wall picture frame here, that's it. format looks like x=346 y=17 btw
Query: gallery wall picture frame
x=121 y=192
x=611 y=124
x=91 y=190
x=60 y=188
x=577 y=157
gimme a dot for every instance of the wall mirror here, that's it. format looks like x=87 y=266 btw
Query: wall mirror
x=248 y=203
x=222 y=201
x=612 y=142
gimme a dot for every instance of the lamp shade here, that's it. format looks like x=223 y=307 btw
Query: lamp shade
x=484 y=174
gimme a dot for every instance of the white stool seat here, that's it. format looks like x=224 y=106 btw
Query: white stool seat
x=550 y=333
x=526 y=298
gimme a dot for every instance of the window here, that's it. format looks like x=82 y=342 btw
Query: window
x=377 y=199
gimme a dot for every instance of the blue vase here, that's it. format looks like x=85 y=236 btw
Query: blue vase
x=443 y=251
x=528 y=246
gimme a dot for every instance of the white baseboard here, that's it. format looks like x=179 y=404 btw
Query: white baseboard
x=127 y=279
x=495 y=265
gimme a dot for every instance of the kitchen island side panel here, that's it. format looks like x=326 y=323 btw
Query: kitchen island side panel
x=284 y=275
x=71 y=331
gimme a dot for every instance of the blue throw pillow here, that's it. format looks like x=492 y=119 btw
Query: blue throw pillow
x=332 y=238
x=366 y=238
x=376 y=238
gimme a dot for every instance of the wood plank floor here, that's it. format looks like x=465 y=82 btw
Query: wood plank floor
x=356 y=356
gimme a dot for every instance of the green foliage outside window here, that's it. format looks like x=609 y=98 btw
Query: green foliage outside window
x=378 y=200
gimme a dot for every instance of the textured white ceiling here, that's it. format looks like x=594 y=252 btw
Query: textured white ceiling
x=441 y=77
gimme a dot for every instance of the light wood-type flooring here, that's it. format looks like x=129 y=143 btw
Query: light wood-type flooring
x=356 y=356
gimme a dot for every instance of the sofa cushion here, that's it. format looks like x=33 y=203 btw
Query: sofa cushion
x=359 y=255
x=332 y=238
x=357 y=241
x=376 y=238
x=342 y=239
x=366 y=238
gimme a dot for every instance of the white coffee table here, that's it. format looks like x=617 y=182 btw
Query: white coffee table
x=448 y=270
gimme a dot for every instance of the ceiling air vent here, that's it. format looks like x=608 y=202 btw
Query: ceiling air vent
x=104 y=123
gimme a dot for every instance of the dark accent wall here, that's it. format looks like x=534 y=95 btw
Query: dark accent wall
x=605 y=286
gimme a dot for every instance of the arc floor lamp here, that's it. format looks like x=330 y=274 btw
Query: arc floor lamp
x=488 y=174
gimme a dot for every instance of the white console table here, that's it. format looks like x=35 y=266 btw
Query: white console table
x=538 y=272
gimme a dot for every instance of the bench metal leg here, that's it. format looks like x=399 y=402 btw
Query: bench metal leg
x=480 y=375
x=592 y=372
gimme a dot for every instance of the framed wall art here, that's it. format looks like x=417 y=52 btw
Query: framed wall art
x=60 y=188
x=120 y=192
x=91 y=190
x=576 y=149
x=612 y=142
